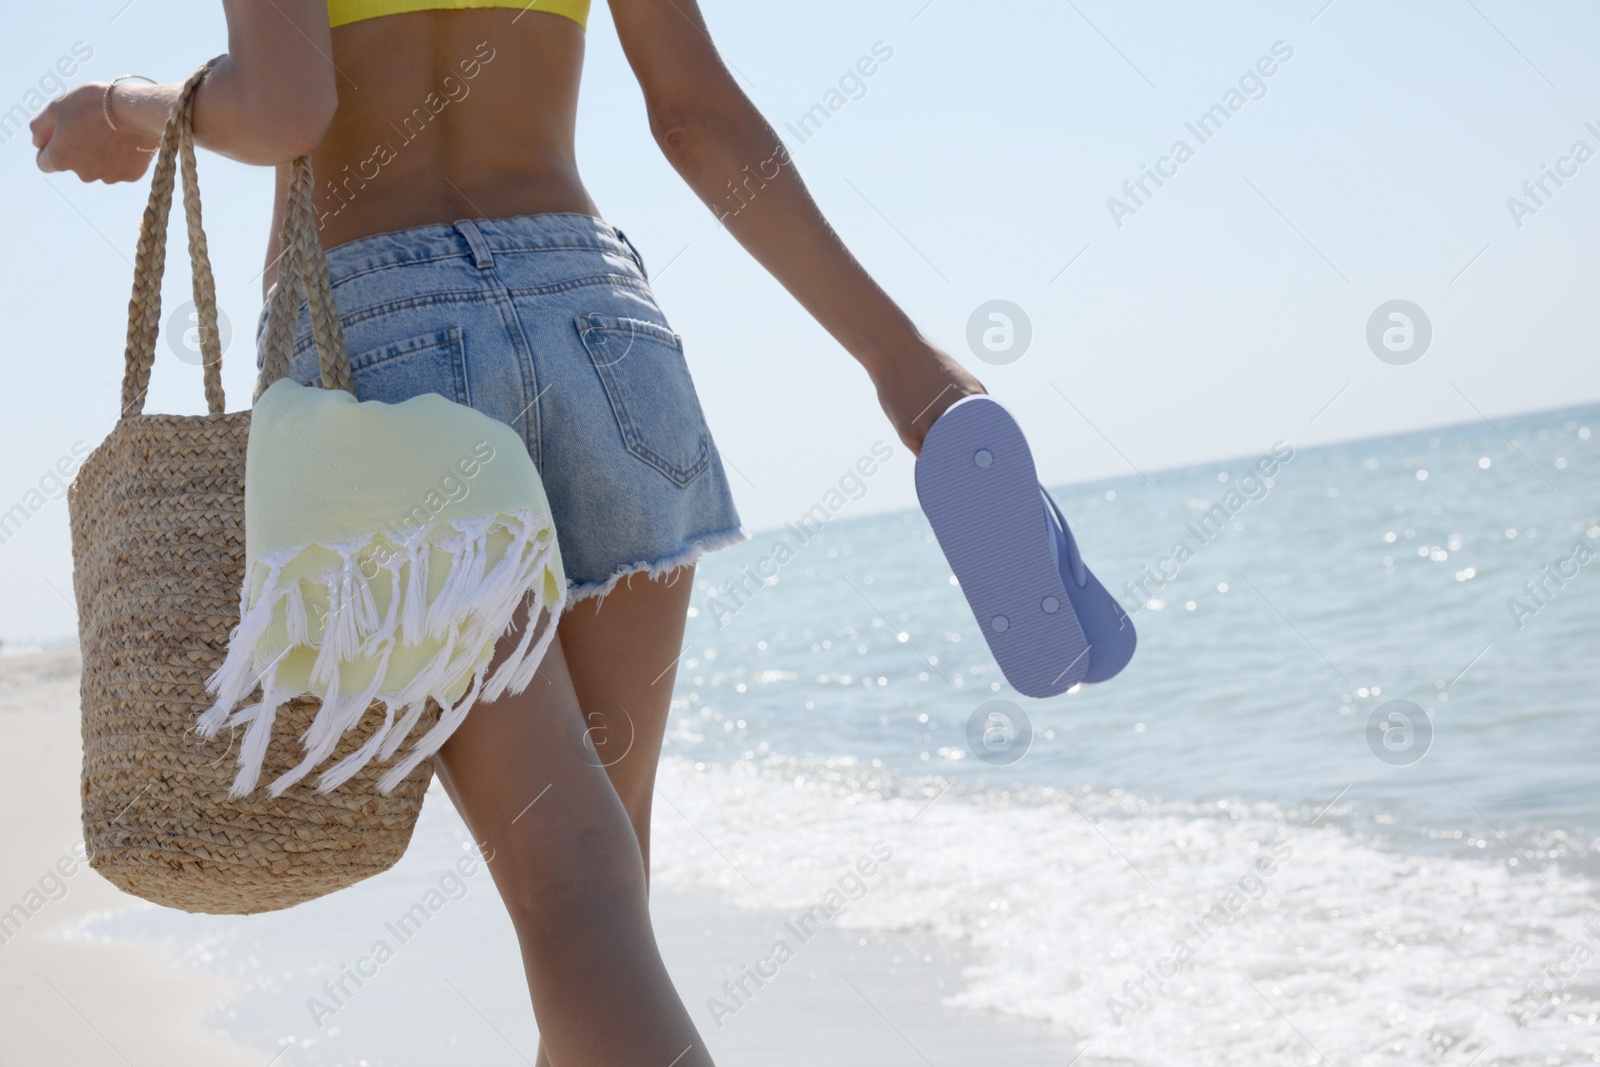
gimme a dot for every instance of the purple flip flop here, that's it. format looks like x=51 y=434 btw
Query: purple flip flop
x=1048 y=620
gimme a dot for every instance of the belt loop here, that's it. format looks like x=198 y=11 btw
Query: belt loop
x=637 y=258
x=482 y=258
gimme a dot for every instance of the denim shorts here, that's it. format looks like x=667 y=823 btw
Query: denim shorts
x=546 y=323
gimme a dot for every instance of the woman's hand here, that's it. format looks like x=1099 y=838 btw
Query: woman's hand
x=917 y=388
x=71 y=133
x=268 y=101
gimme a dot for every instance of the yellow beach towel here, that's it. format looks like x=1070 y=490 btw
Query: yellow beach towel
x=387 y=547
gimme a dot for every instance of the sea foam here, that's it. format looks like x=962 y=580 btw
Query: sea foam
x=1302 y=940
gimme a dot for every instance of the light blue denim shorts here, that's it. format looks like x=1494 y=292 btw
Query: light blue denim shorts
x=546 y=323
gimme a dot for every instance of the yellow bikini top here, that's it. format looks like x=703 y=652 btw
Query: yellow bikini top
x=343 y=12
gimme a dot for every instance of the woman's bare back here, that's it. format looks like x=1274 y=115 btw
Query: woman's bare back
x=446 y=115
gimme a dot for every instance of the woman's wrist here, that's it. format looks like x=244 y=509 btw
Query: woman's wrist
x=111 y=88
x=139 y=110
x=887 y=361
x=889 y=342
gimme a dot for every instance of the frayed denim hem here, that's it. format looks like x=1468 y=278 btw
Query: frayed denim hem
x=581 y=591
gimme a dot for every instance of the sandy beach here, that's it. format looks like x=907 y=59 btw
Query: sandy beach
x=77 y=1002
x=100 y=997
x=849 y=998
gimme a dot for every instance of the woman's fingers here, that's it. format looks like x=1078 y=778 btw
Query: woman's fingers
x=43 y=127
x=71 y=134
x=916 y=390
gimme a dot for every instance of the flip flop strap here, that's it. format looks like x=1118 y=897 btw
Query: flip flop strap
x=1080 y=574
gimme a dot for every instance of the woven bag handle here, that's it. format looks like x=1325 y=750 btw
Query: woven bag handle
x=302 y=266
x=144 y=308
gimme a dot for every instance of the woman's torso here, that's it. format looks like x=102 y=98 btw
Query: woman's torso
x=446 y=115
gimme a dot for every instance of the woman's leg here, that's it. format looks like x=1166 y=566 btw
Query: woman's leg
x=622 y=652
x=565 y=860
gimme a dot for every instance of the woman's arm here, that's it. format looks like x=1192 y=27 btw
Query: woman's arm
x=730 y=156
x=267 y=101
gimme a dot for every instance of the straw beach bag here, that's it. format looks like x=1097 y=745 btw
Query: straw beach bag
x=158 y=539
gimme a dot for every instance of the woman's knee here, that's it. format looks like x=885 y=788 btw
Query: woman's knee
x=636 y=793
x=592 y=875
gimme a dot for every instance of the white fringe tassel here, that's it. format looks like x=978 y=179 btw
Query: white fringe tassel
x=475 y=606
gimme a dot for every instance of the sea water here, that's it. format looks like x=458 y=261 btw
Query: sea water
x=1343 y=806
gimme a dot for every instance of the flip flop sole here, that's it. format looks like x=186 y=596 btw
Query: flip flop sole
x=977 y=484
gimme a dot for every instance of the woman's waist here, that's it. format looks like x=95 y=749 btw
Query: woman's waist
x=544 y=252
x=409 y=275
x=356 y=198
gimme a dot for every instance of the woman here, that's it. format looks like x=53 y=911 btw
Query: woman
x=468 y=259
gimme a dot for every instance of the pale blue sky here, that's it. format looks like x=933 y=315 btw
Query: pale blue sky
x=1226 y=313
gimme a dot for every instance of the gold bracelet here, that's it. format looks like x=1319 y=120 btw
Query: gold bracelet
x=105 y=100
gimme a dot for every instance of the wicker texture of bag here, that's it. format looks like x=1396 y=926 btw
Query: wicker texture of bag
x=157 y=515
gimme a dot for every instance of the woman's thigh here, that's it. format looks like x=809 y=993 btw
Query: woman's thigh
x=540 y=807
x=622 y=652
x=563 y=856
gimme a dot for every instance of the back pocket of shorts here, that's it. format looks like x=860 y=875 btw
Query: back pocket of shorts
x=400 y=370
x=647 y=381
